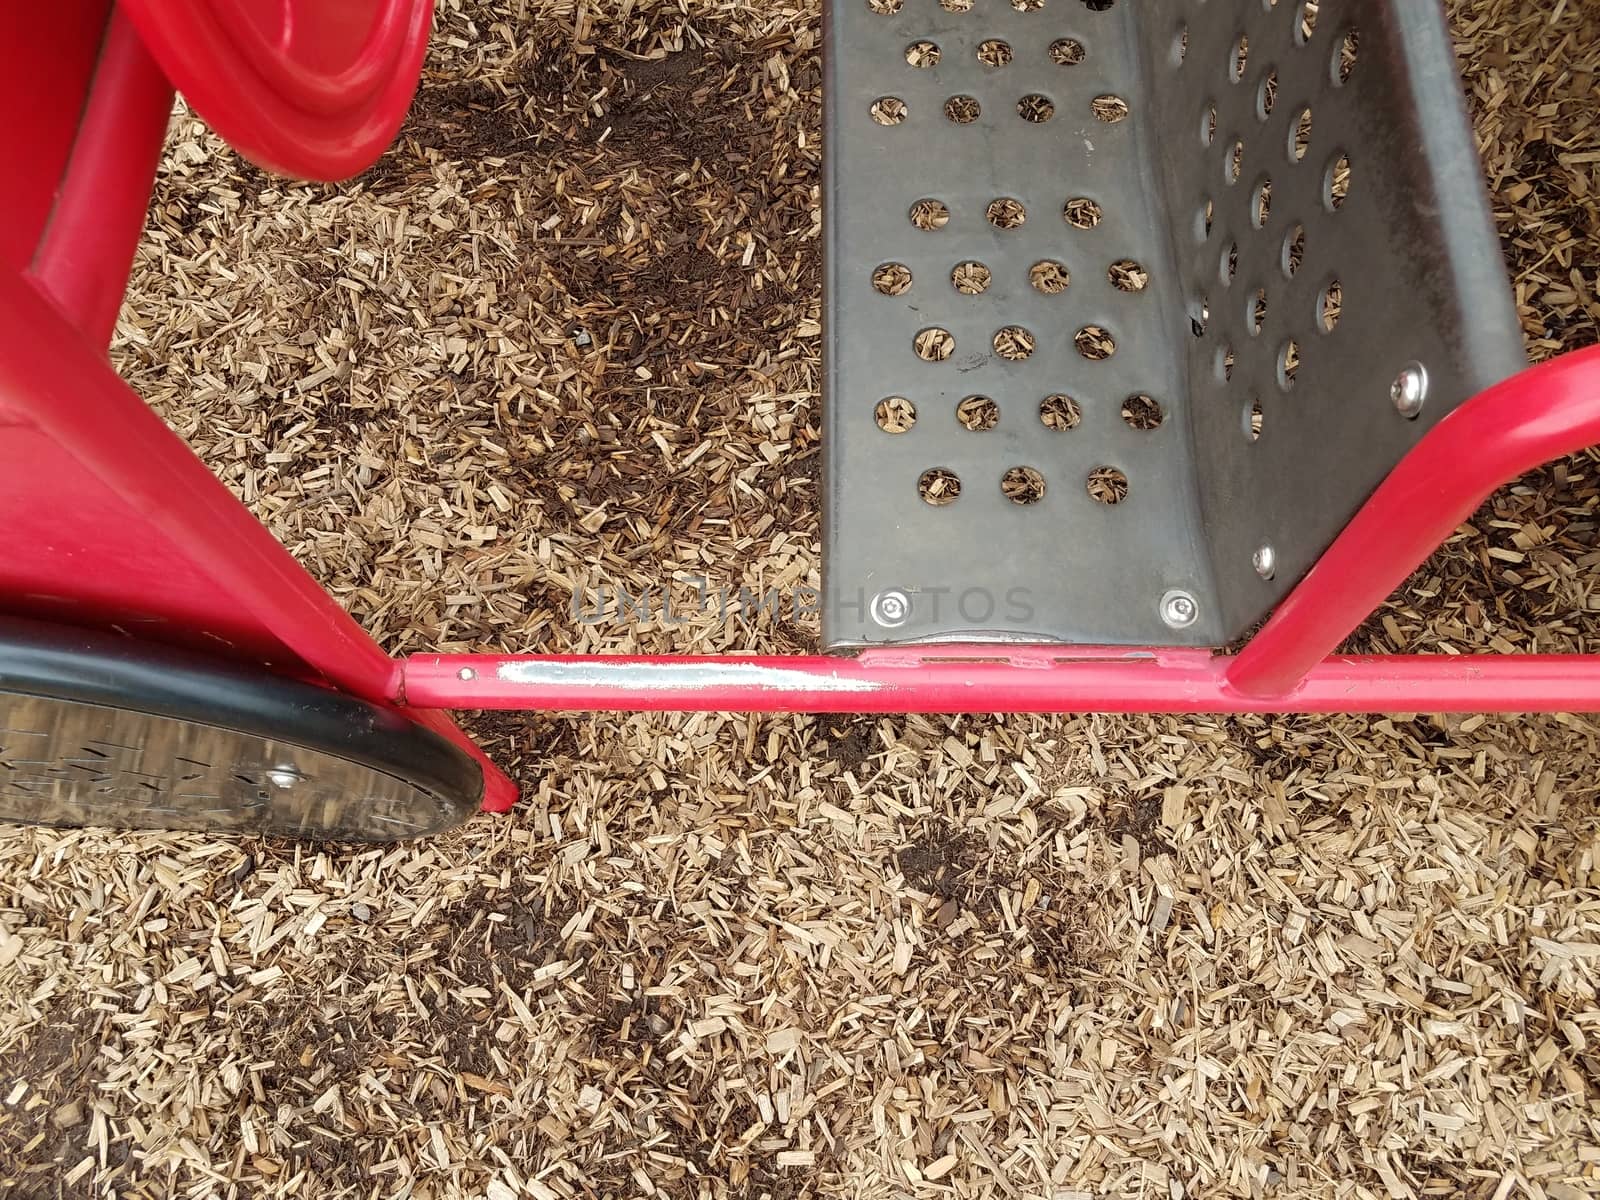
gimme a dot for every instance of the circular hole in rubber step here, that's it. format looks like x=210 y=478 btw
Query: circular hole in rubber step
x=1251 y=420
x=1294 y=251
x=1336 y=183
x=934 y=344
x=1223 y=364
x=1300 y=136
x=1228 y=265
x=1022 y=485
x=1082 y=213
x=895 y=414
x=885 y=7
x=930 y=214
x=1059 y=413
x=1256 y=312
x=1035 y=109
x=970 y=278
x=939 y=486
x=1306 y=22
x=923 y=54
x=1128 y=275
x=1067 y=52
x=1049 y=277
x=1235 y=164
x=1261 y=204
x=977 y=413
x=963 y=110
x=1095 y=343
x=1330 y=306
x=1267 y=95
x=1107 y=485
x=1142 y=412
x=995 y=53
x=891 y=279
x=1006 y=213
x=1288 y=364
x=1109 y=108
x=1239 y=58
x=1014 y=343
x=956 y=6
x=1345 y=55
x=889 y=110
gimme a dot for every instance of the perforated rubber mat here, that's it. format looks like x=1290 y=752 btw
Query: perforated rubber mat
x=1128 y=313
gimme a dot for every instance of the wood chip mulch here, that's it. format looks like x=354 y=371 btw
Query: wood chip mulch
x=565 y=337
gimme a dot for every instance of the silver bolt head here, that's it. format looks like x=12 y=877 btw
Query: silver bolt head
x=466 y=674
x=284 y=778
x=1265 y=561
x=891 y=609
x=1179 y=609
x=1410 y=391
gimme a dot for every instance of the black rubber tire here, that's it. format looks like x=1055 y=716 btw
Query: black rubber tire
x=97 y=729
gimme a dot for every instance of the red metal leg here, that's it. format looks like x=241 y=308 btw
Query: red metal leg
x=1541 y=414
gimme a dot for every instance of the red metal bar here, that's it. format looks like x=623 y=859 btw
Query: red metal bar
x=984 y=679
x=87 y=250
x=1541 y=414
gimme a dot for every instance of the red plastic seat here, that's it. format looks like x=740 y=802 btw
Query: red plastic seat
x=314 y=89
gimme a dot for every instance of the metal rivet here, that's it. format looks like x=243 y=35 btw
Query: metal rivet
x=1179 y=609
x=1410 y=390
x=466 y=674
x=284 y=777
x=891 y=609
x=1265 y=561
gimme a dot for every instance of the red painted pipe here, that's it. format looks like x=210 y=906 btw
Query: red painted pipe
x=976 y=679
x=1541 y=414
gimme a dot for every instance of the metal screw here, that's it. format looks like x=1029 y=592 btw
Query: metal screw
x=1410 y=391
x=1179 y=609
x=466 y=674
x=891 y=609
x=1265 y=560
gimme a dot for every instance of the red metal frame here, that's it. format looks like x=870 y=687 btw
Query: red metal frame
x=314 y=89
x=1541 y=414
x=113 y=522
